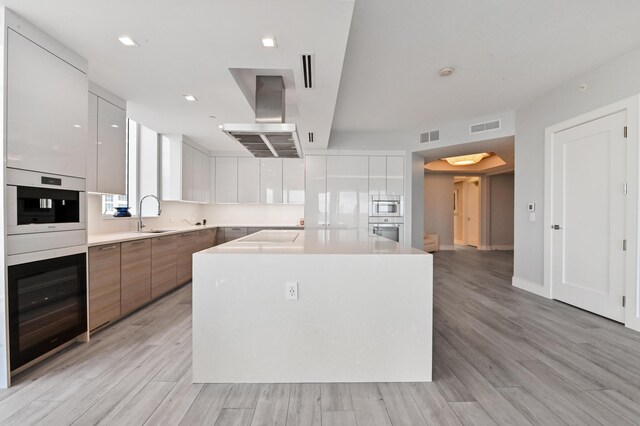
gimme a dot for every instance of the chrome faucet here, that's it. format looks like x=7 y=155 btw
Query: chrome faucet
x=140 y=224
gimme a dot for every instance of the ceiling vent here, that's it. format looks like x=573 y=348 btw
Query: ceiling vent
x=311 y=137
x=308 y=70
x=430 y=136
x=484 y=127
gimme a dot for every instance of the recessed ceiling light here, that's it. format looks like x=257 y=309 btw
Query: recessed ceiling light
x=220 y=126
x=269 y=42
x=190 y=98
x=77 y=126
x=445 y=72
x=115 y=126
x=127 y=41
x=212 y=116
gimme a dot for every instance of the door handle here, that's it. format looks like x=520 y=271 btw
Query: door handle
x=556 y=227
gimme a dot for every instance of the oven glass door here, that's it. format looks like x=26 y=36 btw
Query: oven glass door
x=45 y=205
x=388 y=231
x=47 y=305
x=387 y=208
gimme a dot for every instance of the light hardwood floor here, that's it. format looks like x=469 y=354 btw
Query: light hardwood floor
x=502 y=356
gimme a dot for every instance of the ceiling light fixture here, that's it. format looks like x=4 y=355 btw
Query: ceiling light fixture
x=466 y=160
x=128 y=41
x=190 y=98
x=77 y=126
x=220 y=126
x=269 y=42
x=115 y=126
x=445 y=72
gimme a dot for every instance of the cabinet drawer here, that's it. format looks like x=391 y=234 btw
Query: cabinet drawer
x=231 y=234
x=104 y=284
x=163 y=264
x=135 y=274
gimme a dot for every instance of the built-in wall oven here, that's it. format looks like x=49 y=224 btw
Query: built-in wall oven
x=386 y=206
x=47 y=302
x=389 y=229
x=44 y=211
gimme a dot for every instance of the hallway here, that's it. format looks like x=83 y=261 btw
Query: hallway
x=501 y=356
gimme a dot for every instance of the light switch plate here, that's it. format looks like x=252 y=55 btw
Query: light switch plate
x=531 y=207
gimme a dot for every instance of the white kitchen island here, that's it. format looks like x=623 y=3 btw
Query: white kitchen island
x=363 y=311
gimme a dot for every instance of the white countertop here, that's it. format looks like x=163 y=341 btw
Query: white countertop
x=118 y=237
x=312 y=242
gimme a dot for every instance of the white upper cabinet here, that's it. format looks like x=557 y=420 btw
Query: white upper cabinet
x=226 y=181
x=315 y=206
x=395 y=175
x=348 y=191
x=187 y=173
x=204 y=177
x=248 y=180
x=47 y=110
x=271 y=180
x=212 y=179
x=112 y=149
x=107 y=144
x=92 y=145
x=293 y=181
x=377 y=175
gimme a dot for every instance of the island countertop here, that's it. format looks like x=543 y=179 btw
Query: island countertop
x=310 y=241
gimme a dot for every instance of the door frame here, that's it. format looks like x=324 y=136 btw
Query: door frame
x=632 y=281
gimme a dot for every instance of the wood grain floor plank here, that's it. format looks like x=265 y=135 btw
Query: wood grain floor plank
x=304 y=405
x=272 y=406
x=235 y=417
x=368 y=405
x=338 y=418
x=472 y=414
x=433 y=406
x=336 y=397
x=243 y=395
x=207 y=406
x=174 y=407
x=400 y=404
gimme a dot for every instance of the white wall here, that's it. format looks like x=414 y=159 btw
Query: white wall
x=501 y=212
x=616 y=80
x=438 y=208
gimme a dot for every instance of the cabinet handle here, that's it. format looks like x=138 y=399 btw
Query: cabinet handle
x=109 y=248
x=135 y=243
x=165 y=238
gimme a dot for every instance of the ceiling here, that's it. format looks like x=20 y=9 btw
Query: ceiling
x=189 y=47
x=501 y=147
x=505 y=54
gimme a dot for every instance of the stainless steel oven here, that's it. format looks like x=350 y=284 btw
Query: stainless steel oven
x=47 y=302
x=392 y=231
x=44 y=211
x=386 y=206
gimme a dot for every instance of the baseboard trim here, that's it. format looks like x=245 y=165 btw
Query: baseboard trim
x=501 y=247
x=530 y=286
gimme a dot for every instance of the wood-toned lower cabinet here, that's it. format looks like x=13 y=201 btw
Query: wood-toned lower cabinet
x=135 y=274
x=104 y=284
x=163 y=264
x=205 y=239
x=186 y=248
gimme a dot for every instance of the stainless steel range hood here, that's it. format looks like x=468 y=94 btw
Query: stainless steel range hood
x=269 y=136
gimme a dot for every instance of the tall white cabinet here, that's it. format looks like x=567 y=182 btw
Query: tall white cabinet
x=348 y=191
x=386 y=175
x=271 y=183
x=315 y=206
x=226 y=182
x=248 y=180
x=47 y=110
x=293 y=181
x=107 y=142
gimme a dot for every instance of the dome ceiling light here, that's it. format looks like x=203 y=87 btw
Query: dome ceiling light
x=466 y=160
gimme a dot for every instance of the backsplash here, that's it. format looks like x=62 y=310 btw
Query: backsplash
x=173 y=213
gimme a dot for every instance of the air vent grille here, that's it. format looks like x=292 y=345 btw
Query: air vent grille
x=430 y=136
x=311 y=137
x=308 y=70
x=484 y=127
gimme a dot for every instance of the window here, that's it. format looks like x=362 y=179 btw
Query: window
x=142 y=172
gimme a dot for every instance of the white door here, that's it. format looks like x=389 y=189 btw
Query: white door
x=588 y=210
x=473 y=214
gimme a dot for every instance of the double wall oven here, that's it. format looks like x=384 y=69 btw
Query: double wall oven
x=386 y=217
x=47 y=263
